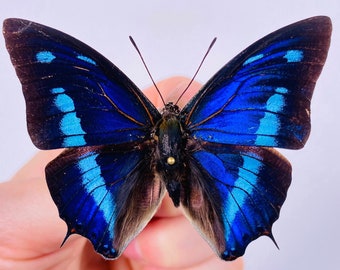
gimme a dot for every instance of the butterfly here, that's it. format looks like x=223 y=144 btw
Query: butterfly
x=215 y=157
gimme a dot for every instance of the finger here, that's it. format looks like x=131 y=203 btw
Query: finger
x=171 y=89
x=29 y=217
x=173 y=243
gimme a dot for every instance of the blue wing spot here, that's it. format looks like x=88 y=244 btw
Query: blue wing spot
x=95 y=185
x=70 y=126
x=86 y=59
x=76 y=140
x=293 y=56
x=252 y=164
x=275 y=103
x=270 y=123
x=281 y=90
x=265 y=140
x=242 y=188
x=253 y=59
x=64 y=103
x=269 y=126
x=58 y=90
x=45 y=57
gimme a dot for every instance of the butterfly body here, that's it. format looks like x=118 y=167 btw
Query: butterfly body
x=215 y=156
x=169 y=156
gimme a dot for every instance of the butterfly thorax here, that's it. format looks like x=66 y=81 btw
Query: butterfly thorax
x=171 y=141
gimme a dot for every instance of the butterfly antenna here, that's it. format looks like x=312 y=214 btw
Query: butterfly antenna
x=146 y=67
x=199 y=67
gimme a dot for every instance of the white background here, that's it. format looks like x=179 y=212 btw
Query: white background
x=173 y=35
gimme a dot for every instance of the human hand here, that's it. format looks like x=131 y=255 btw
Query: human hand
x=31 y=231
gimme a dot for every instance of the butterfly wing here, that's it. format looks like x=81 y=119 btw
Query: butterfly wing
x=234 y=194
x=262 y=97
x=74 y=96
x=105 y=193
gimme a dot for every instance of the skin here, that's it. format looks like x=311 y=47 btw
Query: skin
x=31 y=231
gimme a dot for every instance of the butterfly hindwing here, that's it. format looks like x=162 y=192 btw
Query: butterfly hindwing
x=105 y=194
x=74 y=96
x=262 y=97
x=235 y=194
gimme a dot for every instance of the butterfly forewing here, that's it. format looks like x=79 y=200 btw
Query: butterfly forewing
x=74 y=96
x=262 y=97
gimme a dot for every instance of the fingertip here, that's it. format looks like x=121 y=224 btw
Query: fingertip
x=172 y=243
x=35 y=167
x=171 y=89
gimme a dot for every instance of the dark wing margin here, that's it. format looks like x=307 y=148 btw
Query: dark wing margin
x=105 y=194
x=234 y=195
x=262 y=97
x=74 y=96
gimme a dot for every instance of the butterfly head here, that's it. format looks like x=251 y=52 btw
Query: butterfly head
x=170 y=109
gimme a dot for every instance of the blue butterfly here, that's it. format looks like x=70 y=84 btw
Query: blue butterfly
x=214 y=157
